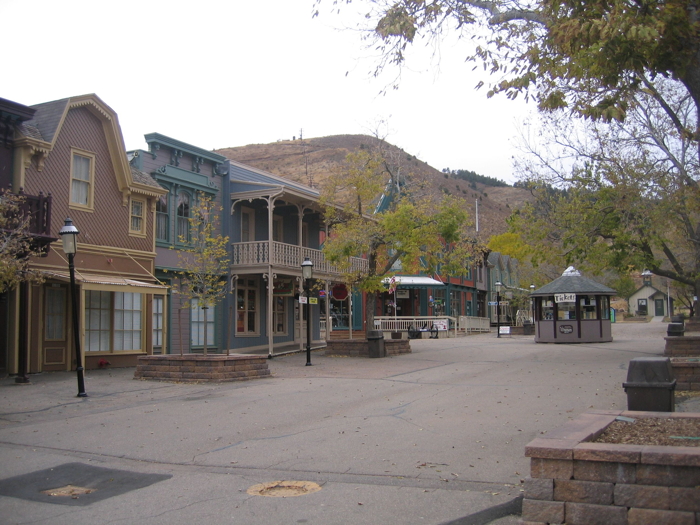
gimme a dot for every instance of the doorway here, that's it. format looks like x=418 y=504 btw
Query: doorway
x=659 y=307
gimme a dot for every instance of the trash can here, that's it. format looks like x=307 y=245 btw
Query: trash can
x=375 y=343
x=675 y=329
x=678 y=319
x=528 y=328
x=650 y=385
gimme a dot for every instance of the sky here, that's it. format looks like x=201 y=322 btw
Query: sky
x=229 y=73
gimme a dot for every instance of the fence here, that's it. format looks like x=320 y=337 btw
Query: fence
x=404 y=324
x=474 y=324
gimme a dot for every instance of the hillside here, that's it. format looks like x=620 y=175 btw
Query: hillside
x=310 y=161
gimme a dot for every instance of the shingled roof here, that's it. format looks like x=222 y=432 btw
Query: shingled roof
x=571 y=281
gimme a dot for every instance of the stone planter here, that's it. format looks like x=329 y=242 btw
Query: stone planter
x=359 y=348
x=196 y=368
x=576 y=482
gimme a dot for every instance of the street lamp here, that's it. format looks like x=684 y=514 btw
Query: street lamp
x=532 y=303
x=498 y=285
x=307 y=273
x=68 y=234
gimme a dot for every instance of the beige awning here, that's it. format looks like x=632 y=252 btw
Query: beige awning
x=108 y=283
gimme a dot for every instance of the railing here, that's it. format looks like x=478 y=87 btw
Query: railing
x=287 y=255
x=421 y=323
x=36 y=209
x=474 y=324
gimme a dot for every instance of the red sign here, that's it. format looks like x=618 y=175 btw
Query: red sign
x=339 y=292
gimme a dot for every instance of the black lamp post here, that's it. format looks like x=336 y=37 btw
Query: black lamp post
x=307 y=273
x=68 y=236
x=498 y=285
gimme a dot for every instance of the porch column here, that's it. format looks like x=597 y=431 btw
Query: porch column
x=350 y=314
x=270 y=277
x=328 y=313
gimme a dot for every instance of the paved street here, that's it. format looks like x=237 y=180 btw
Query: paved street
x=433 y=437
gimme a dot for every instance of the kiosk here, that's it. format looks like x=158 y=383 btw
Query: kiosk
x=572 y=309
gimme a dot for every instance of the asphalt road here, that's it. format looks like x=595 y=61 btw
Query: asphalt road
x=433 y=437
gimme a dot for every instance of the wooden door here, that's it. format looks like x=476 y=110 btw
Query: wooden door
x=55 y=340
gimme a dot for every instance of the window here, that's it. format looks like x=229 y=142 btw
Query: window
x=277 y=229
x=137 y=220
x=55 y=318
x=158 y=303
x=113 y=321
x=279 y=315
x=246 y=306
x=566 y=311
x=198 y=324
x=127 y=321
x=183 y=217
x=162 y=218
x=588 y=307
x=247 y=225
x=547 y=309
x=82 y=177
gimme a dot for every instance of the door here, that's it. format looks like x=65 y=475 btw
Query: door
x=55 y=341
x=659 y=307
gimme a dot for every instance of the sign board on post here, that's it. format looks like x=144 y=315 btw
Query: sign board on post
x=302 y=299
x=504 y=330
x=313 y=300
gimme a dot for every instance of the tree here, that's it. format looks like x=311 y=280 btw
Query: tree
x=423 y=235
x=587 y=56
x=632 y=197
x=16 y=248
x=204 y=261
x=625 y=288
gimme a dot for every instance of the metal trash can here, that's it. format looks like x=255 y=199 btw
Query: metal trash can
x=375 y=343
x=650 y=385
x=675 y=329
x=678 y=319
x=528 y=328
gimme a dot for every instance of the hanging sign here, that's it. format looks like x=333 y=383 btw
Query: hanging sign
x=564 y=297
x=283 y=287
x=340 y=292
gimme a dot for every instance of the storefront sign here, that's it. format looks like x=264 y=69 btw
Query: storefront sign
x=440 y=324
x=565 y=298
x=403 y=294
x=566 y=329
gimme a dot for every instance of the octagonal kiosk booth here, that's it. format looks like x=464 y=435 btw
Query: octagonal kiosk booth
x=572 y=309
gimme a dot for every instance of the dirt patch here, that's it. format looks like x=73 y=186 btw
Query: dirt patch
x=681 y=432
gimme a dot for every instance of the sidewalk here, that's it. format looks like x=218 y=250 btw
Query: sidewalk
x=436 y=436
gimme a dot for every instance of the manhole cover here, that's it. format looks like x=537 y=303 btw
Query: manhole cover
x=68 y=491
x=284 y=489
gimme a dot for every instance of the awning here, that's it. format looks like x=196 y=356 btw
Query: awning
x=107 y=283
x=415 y=281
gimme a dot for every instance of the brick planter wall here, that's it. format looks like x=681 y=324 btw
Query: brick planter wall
x=196 y=368
x=684 y=352
x=358 y=347
x=682 y=346
x=576 y=482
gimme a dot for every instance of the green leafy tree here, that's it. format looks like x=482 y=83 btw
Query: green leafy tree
x=625 y=287
x=204 y=261
x=16 y=248
x=425 y=235
x=632 y=198
x=587 y=56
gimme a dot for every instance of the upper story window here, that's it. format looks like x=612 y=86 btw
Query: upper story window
x=183 y=217
x=247 y=225
x=137 y=222
x=162 y=218
x=277 y=228
x=82 y=180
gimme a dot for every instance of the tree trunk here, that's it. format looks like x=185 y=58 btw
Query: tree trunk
x=370 y=307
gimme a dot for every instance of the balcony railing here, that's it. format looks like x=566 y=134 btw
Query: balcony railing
x=287 y=255
x=37 y=208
